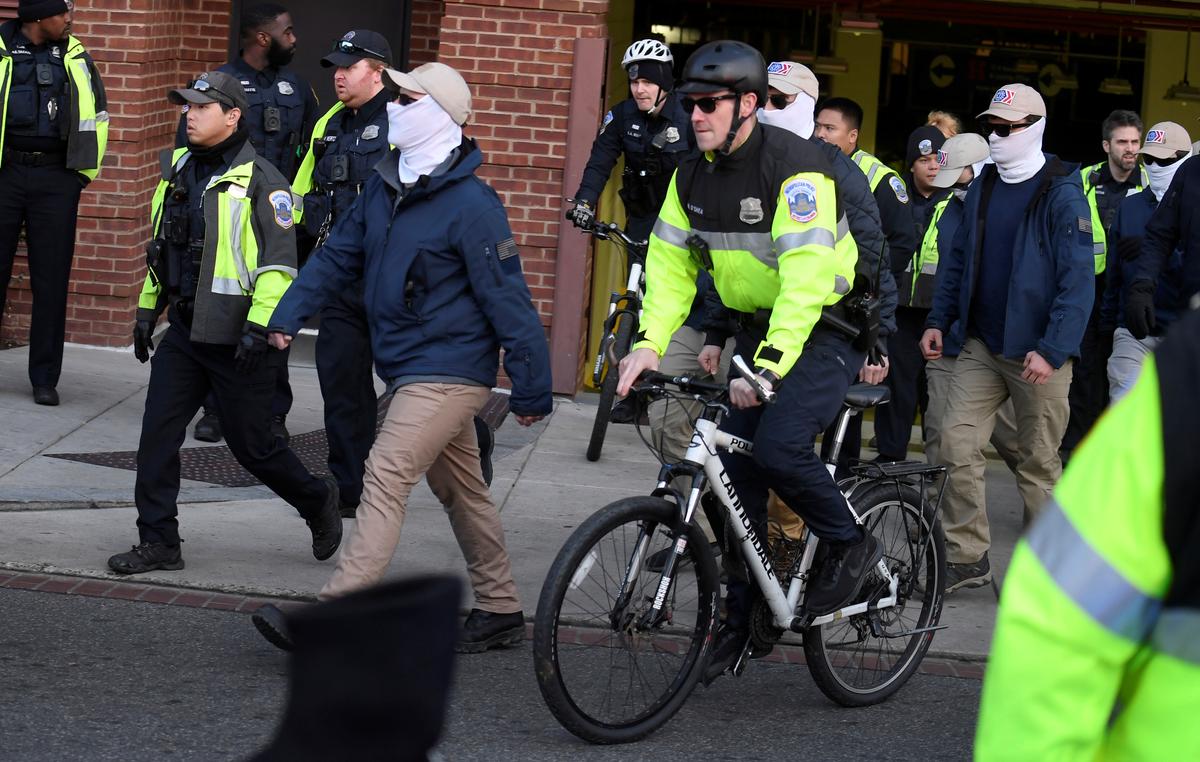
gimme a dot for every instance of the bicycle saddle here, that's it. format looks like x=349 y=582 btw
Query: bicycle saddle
x=863 y=396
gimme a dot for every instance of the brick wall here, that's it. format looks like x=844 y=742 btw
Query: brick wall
x=424 y=31
x=142 y=48
x=517 y=57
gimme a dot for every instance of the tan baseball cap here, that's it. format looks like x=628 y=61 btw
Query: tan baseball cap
x=962 y=150
x=440 y=82
x=1015 y=102
x=790 y=78
x=1165 y=140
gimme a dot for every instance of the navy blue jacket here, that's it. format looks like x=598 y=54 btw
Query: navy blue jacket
x=1052 y=289
x=444 y=287
x=1174 y=225
x=1133 y=215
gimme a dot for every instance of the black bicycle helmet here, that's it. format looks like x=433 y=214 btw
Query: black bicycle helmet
x=726 y=64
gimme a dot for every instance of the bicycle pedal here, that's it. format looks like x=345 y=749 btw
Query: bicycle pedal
x=743 y=659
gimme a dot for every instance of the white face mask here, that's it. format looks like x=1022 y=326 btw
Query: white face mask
x=424 y=134
x=797 y=117
x=1160 y=176
x=1019 y=156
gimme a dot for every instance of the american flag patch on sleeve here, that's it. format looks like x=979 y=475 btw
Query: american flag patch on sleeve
x=1085 y=225
x=506 y=248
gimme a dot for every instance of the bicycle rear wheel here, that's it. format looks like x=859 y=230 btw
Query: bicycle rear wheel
x=608 y=388
x=607 y=673
x=863 y=659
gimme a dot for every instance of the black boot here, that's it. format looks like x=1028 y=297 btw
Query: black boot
x=728 y=645
x=484 y=630
x=842 y=574
x=149 y=556
x=370 y=674
x=208 y=428
x=273 y=625
x=327 y=527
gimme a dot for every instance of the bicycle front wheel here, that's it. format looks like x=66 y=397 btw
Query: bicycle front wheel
x=608 y=670
x=608 y=387
x=863 y=659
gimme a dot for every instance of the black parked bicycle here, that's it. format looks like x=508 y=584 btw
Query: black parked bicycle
x=619 y=643
x=621 y=325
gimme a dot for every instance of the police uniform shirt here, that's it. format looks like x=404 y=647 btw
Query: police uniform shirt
x=1110 y=192
x=354 y=142
x=36 y=114
x=183 y=212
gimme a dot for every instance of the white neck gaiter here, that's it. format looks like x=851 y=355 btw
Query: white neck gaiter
x=797 y=117
x=424 y=134
x=1160 y=177
x=1019 y=156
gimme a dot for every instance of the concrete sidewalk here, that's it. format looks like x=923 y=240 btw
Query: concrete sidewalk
x=60 y=516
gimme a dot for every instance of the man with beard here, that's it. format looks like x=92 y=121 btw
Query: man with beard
x=53 y=131
x=222 y=255
x=281 y=113
x=1014 y=293
x=1105 y=185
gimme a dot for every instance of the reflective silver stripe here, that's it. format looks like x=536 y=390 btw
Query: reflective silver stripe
x=101 y=116
x=843 y=227
x=1089 y=580
x=841 y=286
x=671 y=234
x=874 y=170
x=755 y=243
x=1178 y=634
x=227 y=286
x=87 y=125
x=929 y=268
x=810 y=237
x=273 y=268
x=235 y=244
x=1098 y=248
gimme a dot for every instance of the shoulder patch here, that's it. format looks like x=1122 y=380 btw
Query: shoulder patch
x=898 y=188
x=281 y=203
x=607 y=120
x=801 y=196
x=506 y=248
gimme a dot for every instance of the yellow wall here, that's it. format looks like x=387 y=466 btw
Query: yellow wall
x=1164 y=67
x=863 y=52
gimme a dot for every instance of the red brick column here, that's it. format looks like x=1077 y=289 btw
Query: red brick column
x=142 y=48
x=517 y=56
x=424 y=30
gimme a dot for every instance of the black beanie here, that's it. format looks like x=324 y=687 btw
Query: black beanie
x=923 y=141
x=36 y=10
x=658 y=72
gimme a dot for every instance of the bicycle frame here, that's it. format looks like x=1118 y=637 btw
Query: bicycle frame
x=628 y=303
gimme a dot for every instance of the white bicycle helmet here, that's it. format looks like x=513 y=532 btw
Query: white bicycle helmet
x=647 y=50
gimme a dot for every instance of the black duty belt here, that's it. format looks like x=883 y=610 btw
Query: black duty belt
x=34 y=158
x=833 y=318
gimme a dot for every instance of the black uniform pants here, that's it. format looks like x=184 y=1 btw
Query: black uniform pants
x=281 y=399
x=784 y=459
x=182 y=372
x=1088 y=395
x=906 y=380
x=345 y=370
x=46 y=200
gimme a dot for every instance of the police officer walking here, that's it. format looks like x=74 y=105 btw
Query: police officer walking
x=53 y=132
x=219 y=292
x=280 y=114
x=781 y=271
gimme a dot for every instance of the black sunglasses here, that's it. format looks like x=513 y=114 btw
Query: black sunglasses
x=345 y=46
x=780 y=101
x=206 y=87
x=708 y=104
x=1164 y=162
x=1003 y=130
x=404 y=100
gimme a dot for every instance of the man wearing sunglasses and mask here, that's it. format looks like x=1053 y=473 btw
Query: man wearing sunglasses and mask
x=760 y=210
x=1012 y=298
x=1170 y=253
x=279 y=117
x=222 y=255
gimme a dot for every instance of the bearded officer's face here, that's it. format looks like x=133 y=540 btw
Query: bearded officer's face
x=57 y=27
x=282 y=44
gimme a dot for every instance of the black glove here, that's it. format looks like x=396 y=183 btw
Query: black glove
x=1128 y=249
x=142 y=343
x=251 y=349
x=1139 y=308
x=582 y=215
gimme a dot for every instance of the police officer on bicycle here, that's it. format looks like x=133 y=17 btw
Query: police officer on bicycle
x=782 y=270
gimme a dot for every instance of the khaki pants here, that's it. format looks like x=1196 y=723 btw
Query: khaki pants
x=980 y=384
x=938 y=374
x=671 y=420
x=429 y=431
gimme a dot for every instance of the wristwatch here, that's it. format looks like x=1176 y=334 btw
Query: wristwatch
x=770 y=376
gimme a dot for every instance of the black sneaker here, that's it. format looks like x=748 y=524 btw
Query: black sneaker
x=147 y=557
x=208 y=428
x=728 y=644
x=484 y=630
x=842 y=573
x=959 y=576
x=487 y=444
x=327 y=527
x=273 y=625
x=279 y=428
x=45 y=395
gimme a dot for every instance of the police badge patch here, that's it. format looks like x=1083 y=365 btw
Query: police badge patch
x=672 y=135
x=370 y=132
x=607 y=120
x=801 y=196
x=633 y=72
x=285 y=88
x=281 y=202
x=751 y=212
x=899 y=189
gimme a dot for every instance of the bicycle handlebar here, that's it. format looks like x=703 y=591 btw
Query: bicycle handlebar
x=690 y=385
